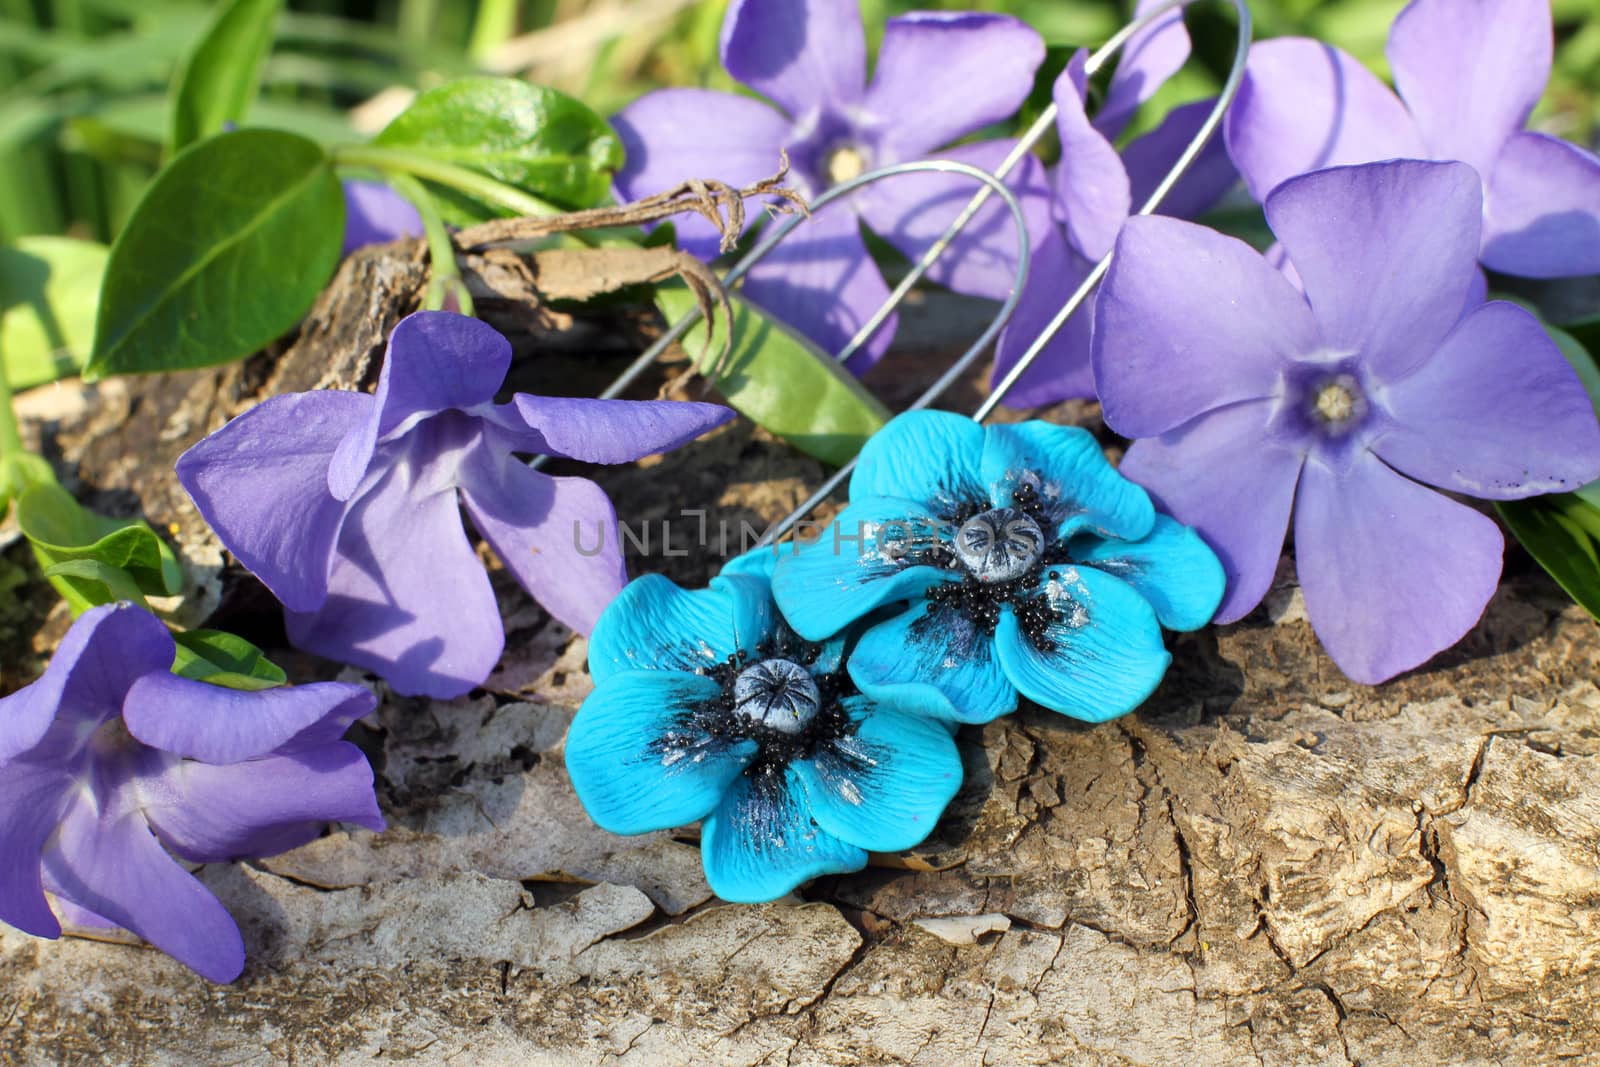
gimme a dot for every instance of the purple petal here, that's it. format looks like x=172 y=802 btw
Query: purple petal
x=674 y=135
x=216 y=724
x=32 y=798
x=608 y=431
x=261 y=482
x=436 y=360
x=942 y=75
x=1542 y=218
x=1470 y=71
x=1496 y=412
x=1149 y=158
x=99 y=658
x=114 y=867
x=1387 y=252
x=375 y=214
x=407 y=596
x=1091 y=184
x=1222 y=475
x=1305 y=105
x=821 y=282
x=1147 y=60
x=1189 y=320
x=913 y=211
x=261 y=807
x=805 y=54
x=557 y=535
x=1062 y=369
x=1392 y=572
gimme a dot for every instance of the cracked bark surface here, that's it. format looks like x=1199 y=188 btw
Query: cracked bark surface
x=1267 y=864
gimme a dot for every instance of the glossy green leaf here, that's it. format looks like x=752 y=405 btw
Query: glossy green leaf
x=85 y=573
x=63 y=531
x=225 y=252
x=1562 y=532
x=49 y=291
x=537 y=140
x=219 y=78
x=783 y=382
x=224 y=659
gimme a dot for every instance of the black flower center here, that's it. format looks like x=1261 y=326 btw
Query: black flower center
x=999 y=545
x=777 y=693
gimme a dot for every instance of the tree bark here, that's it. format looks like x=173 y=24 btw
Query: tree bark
x=1266 y=864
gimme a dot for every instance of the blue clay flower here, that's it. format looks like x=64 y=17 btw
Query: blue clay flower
x=707 y=706
x=1005 y=559
x=109 y=761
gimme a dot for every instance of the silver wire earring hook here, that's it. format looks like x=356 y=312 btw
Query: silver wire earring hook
x=992 y=185
x=1197 y=144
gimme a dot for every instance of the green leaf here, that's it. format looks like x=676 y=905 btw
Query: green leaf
x=225 y=252
x=538 y=140
x=224 y=659
x=62 y=531
x=1561 y=532
x=219 y=79
x=118 y=583
x=49 y=291
x=783 y=382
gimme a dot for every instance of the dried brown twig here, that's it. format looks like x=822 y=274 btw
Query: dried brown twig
x=717 y=202
x=706 y=198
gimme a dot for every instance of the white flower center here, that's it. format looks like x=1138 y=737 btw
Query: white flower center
x=1338 y=402
x=1000 y=545
x=777 y=693
x=844 y=163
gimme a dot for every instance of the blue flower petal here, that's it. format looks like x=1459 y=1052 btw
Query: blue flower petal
x=933 y=663
x=654 y=625
x=1082 y=492
x=1107 y=656
x=885 y=787
x=873 y=554
x=934 y=457
x=637 y=760
x=757 y=563
x=1172 y=568
x=762 y=841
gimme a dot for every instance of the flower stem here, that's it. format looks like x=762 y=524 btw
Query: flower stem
x=19 y=468
x=481 y=186
x=444 y=276
x=496 y=21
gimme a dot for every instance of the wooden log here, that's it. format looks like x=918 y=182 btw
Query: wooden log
x=1267 y=864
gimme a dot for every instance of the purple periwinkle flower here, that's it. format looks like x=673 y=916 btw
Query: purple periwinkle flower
x=1468 y=73
x=939 y=77
x=375 y=214
x=347 y=505
x=1093 y=191
x=1341 y=406
x=109 y=757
